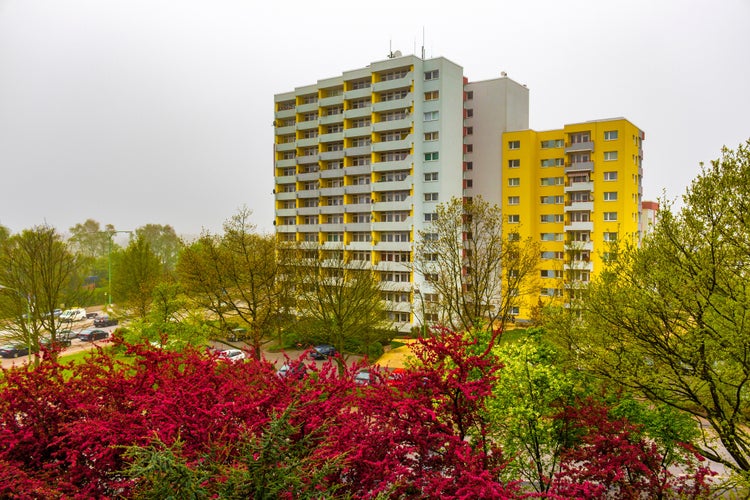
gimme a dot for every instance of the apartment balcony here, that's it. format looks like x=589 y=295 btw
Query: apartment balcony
x=308 y=210
x=358 y=93
x=581 y=166
x=286 y=179
x=331 y=119
x=392 y=246
x=291 y=228
x=393 y=185
x=350 y=114
x=579 y=147
x=286 y=196
x=407 y=143
x=331 y=101
x=359 y=245
x=286 y=146
x=393 y=124
x=308 y=228
x=579 y=226
x=306 y=108
x=358 y=227
x=308 y=142
x=404 y=225
x=307 y=159
x=358 y=170
x=333 y=137
x=332 y=174
x=358 y=151
x=332 y=228
x=404 y=103
x=289 y=129
x=571 y=206
x=308 y=125
x=358 y=189
x=332 y=191
x=387 y=166
x=357 y=208
x=310 y=193
x=579 y=265
x=309 y=176
x=331 y=209
x=289 y=162
x=397 y=306
x=398 y=83
x=285 y=113
x=286 y=212
x=392 y=266
x=579 y=186
x=332 y=155
x=365 y=131
x=385 y=206
x=580 y=245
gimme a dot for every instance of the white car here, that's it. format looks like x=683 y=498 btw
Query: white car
x=232 y=355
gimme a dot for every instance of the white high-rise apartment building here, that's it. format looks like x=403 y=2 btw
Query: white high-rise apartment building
x=361 y=160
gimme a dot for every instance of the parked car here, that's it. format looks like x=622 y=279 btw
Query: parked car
x=233 y=355
x=90 y=335
x=323 y=351
x=104 y=320
x=59 y=343
x=236 y=334
x=91 y=315
x=74 y=314
x=66 y=334
x=292 y=370
x=365 y=377
x=14 y=350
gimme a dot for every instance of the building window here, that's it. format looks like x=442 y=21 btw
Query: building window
x=432 y=75
x=549 y=273
x=551 y=200
x=514 y=181
x=430 y=217
x=431 y=116
x=469 y=131
x=361 y=84
x=552 y=181
x=610 y=135
x=431 y=136
x=610 y=236
x=580 y=137
x=430 y=176
x=514 y=144
x=551 y=236
x=397 y=237
x=431 y=197
x=514 y=236
x=514 y=219
x=335 y=237
x=431 y=156
x=551 y=255
x=431 y=96
x=551 y=218
x=362 y=237
x=610 y=216
x=468 y=148
x=514 y=163
x=514 y=200
x=610 y=155
x=555 y=143
x=468 y=113
x=468 y=183
x=553 y=162
x=469 y=95
x=610 y=176
x=610 y=196
x=469 y=165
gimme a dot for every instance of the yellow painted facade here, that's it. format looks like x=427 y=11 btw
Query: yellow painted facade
x=574 y=190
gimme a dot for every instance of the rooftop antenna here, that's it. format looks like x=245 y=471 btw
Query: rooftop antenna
x=390 y=49
x=423 y=43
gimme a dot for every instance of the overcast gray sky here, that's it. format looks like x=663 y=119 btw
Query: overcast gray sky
x=133 y=112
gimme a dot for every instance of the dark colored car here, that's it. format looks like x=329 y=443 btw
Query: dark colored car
x=236 y=334
x=323 y=351
x=89 y=335
x=14 y=350
x=59 y=343
x=104 y=320
x=91 y=315
x=66 y=334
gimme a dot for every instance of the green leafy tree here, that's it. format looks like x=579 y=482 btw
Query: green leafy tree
x=136 y=271
x=477 y=274
x=238 y=277
x=164 y=243
x=89 y=239
x=669 y=320
x=339 y=298
x=38 y=274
